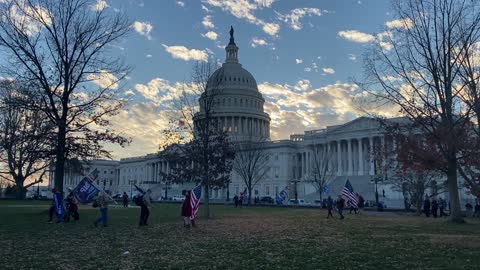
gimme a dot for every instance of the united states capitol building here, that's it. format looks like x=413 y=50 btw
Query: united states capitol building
x=240 y=110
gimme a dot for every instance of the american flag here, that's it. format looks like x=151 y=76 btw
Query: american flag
x=348 y=192
x=195 y=195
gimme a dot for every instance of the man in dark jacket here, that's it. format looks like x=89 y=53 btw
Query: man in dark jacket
x=340 y=205
x=329 y=207
x=144 y=208
x=235 y=200
x=125 y=199
x=434 y=208
x=426 y=206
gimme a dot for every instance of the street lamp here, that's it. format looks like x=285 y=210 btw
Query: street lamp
x=295 y=186
x=131 y=186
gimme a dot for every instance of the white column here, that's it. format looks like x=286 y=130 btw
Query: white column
x=349 y=156
x=360 y=157
x=339 y=158
x=372 y=170
x=330 y=156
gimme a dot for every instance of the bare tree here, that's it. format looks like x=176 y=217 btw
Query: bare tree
x=25 y=139
x=204 y=154
x=417 y=66
x=251 y=162
x=61 y=47
x=324 y=167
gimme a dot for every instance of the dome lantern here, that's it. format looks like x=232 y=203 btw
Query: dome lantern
x=231 y=49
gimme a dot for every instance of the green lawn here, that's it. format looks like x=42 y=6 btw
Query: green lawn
x=255 y=238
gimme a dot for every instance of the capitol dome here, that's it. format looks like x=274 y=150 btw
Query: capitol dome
x=238 y=105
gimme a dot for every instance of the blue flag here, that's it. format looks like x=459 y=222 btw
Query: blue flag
x=86 y=191
x=58 y=204
x=282 y=197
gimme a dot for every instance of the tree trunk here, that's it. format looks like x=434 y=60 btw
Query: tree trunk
x=206 y=200
x=21 y=191
x=321 y=193
x=60 y=159
x=455 y=210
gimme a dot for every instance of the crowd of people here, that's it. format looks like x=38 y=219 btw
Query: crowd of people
x=70 y=210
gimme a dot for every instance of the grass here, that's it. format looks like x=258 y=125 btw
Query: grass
x=248 y=238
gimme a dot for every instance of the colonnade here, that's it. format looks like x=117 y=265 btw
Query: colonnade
x=345 y=157
x=244 y=125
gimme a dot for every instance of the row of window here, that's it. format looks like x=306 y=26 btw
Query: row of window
x=239 y=102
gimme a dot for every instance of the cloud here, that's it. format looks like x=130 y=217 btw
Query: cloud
x=210 y=35
x=328 y=70
x=143 y=28
x=258 y=42
x=295 y=15
x=243 y=9
x=182 y=52
x=307 y=69
x=181 y=3
x=356 y=36
x=264 y=3
x=303 y=85
x=100 y=5
x=399 y=23
x=144 y=123
x=382 y=39
x=352 y=57
x=207 y=22
x=104 y=79
x=148 y=56
x=298 y=61
x=29 y=20
x=271 y=28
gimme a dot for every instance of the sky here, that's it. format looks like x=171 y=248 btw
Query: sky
x=304 y=55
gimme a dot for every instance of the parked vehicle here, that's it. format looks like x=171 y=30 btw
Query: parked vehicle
x=266 y=199
x=178 y=198
x=299 y=202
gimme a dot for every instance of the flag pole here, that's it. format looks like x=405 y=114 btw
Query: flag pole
x=95 y=184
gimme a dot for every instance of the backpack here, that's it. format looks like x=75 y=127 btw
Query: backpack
x=138 y=200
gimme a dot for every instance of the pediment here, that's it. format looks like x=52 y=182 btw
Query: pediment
x=361 y=123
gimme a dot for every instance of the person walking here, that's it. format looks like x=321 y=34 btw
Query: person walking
x=434 y=208
x=235 y=200
x=340 y=205
x=144 y=208
x=477 y=210
x=442 y=205
x=329 y=207
x=102 y=202
x=186 y=210
x=72 y=208
x=56 y=207
x=240 y=201
x=426 y=206
x=125 y=199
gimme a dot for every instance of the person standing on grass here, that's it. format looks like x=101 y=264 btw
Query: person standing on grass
x=57 y=207
x=72 y=208
x=125 y=199
x=329 y=207
x=240 y=201
x=442 y=205
x=145 y=208
x=340 y=205
x=186 y=210
x=477 y=210
x=235 y=200
x=426 y=206
x=434 y=208
x=102 y=203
